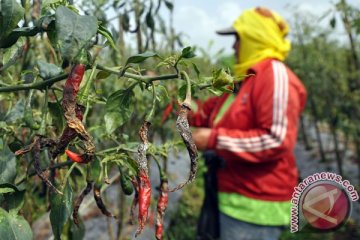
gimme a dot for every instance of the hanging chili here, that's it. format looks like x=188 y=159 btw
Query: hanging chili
x=182 y=126
x=69 y=105
x=143 y=178
x=79 y=200
x=99 y=201
x=161 y=206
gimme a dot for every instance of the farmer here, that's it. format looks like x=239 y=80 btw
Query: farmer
x=254 y=130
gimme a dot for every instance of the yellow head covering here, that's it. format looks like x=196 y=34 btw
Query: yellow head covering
x=262 y=35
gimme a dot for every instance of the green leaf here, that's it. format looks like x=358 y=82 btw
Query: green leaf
x=16 y=113
x=107 y=34
x=102 y=75
x=73 y=32
x=48 y=70
x=11 y=14
x=333 y=22
x=113 y=120
x=169 y=5
x=150 y=20
x=12 y=38
x=125 y=21
x=61 y=209
x=76 y=232
x=14 y=227
x=6 y=190
x=138 y=58
x=162 y=94
x=95 y=168
x=57 y=113
x=7 y=166
x=188 y=52
x=214 y=91
x=196 y=69
x=12 y=54
x=118 y=109
x=13 y=197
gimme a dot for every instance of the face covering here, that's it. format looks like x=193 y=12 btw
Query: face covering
x=262 y=35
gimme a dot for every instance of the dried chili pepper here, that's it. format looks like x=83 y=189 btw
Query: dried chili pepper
x=99 y=201
x=161 y=206
x=182 y=126
x=143 y=178
x=79 y=200
x=69 y=105
x=68 y=134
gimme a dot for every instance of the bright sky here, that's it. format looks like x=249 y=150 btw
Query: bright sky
x=199 y=19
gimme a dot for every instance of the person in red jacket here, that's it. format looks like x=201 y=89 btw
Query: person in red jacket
x=255 y=130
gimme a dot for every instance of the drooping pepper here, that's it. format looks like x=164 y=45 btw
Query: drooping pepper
x=161 y=206
x=99 y=202
x=70 y=106
x=144 y=185
x=79 y=200
x=182 y=126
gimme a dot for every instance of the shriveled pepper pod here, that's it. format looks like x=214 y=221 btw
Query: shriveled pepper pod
x=182 y=126
x=144 y=186
x=78 y=202
x=161 y=207
x=99 y=202
x=70 y=106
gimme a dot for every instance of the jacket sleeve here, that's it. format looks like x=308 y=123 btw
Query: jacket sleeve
x=276 y=109
x=201 y=116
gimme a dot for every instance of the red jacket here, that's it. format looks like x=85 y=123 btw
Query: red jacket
x=257 y=134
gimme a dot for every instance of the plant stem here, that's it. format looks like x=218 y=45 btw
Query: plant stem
x=68 y=173
x=140 y=78
x=152 y=111
x=55 y=166
x=187 y=101
x=38 y=85
x=50 y=81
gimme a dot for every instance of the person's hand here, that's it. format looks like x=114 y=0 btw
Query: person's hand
x=201 y=137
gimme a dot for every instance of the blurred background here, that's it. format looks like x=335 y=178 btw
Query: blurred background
x=325 y=55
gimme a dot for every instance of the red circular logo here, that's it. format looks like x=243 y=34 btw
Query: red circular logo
x=325 y=206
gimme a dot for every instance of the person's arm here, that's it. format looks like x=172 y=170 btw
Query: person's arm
x=277 y=108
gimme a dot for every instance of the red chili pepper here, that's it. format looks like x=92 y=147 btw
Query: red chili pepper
x=161 y=207
x=75 y=77
x=168 y=110
x=72 y=114
x=74 y=156
x=144 y=200
x=144 y=184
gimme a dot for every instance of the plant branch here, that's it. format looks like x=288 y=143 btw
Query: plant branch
x=187 y=101
x=145 y=79
x=38 y=85
x=55 y=166
x=50 y=81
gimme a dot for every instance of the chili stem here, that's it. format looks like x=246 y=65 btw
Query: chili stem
x=187 y=101
x=149 y=116
x=68 y=174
